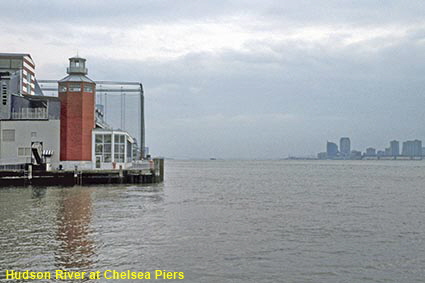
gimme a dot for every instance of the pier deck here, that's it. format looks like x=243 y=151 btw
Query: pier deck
x=82 y=177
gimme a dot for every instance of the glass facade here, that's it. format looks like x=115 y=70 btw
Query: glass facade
x=113 y=147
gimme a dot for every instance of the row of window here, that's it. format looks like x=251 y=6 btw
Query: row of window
x=75 y=88
x=24 y=151
x=4 y=88
x=10 y=63
x=103 y=145
x=106 y=138
x=8 y=135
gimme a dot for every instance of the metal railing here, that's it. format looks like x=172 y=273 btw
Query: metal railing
x=30 y=114
x=141 y=164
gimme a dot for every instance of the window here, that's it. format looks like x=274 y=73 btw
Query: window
x=8 y=135
x=88 y=88
x=62 y=88
x=16 y=64
x=74 y=87
x=129 y=150
x=107 y=138
x=5 y=63
x=24 y=151
x=108 y=147
x=107 y=157
x=103 y=146
x=4 y=88
x=119 y=148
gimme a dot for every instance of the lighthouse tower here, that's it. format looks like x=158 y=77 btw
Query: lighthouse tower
x=77 y=97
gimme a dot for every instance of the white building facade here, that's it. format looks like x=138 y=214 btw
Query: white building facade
x=112 y=149
x=29 y=121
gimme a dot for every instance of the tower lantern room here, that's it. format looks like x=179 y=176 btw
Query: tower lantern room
x=77 y=96
x=77 y=65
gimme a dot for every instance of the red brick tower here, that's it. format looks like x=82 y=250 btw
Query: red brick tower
x=77 y=96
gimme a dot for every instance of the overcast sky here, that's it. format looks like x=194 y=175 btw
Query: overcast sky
x=243 y=79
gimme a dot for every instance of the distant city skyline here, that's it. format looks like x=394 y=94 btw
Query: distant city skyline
x=410 y=148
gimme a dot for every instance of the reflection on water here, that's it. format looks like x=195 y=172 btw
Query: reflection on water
x=44 y=229
x=39 y=192
x=76 y=248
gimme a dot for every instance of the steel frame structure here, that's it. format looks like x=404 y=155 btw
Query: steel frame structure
x=112 y=88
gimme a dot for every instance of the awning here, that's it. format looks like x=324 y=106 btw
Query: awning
x=48 y=152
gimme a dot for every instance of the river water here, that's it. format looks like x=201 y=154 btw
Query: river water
x=229 y=221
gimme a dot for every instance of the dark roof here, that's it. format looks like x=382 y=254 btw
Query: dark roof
x=76 y=78
x=78 y=57
x=41 y=97
x=15 y=55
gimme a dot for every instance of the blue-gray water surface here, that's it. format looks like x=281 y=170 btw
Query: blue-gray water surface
x=229 y=221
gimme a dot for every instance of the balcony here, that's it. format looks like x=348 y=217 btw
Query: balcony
x=30 y=114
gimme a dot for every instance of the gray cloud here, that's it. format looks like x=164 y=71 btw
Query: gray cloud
x=124 y=12
x=299 y=73
x=371 y=97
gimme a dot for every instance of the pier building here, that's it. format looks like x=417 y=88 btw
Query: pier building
x=112 y=148
x=67 y=130
x=65 y=139
x=29 y=121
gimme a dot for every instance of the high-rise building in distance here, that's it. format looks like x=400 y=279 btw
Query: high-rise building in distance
x=331 y=149
x=412 y=148
x=370 y=151
x=345 y=146
x=394 y=148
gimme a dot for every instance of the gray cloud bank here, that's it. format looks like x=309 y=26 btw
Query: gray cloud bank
x=244 y=79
